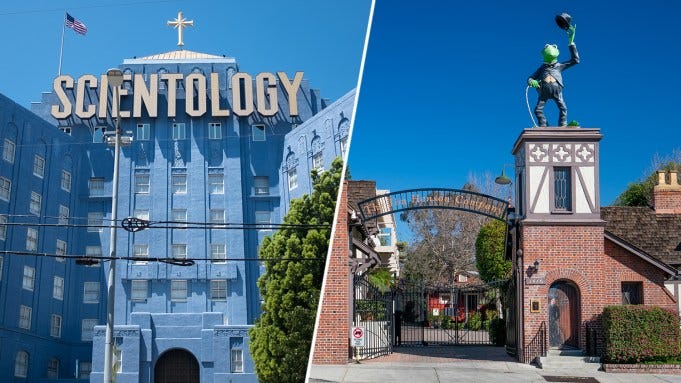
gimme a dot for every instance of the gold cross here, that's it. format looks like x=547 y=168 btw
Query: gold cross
x=179 y=23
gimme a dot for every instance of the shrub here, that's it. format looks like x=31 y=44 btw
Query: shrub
x=369 y=309
x=497 y=332
x=474 y=322
x=447 y=323
x=635 y=334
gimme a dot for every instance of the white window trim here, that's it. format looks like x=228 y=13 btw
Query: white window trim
x=144 y=254
x=66 y=181
x=4 y=181
x=31 y=239
x=89 y=295
x=38 y=166
x=28 y=279
x=58 y=288
x=135 y=287
x=25 y=317
x=223 y=254
x=179 y=283
x=86 y=332
x=55 y=326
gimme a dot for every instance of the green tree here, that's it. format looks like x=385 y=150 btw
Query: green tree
x=640 y=193
x=489 y=252
x=282 y=336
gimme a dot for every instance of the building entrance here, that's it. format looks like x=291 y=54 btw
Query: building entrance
x=563 y=315
x=177 y=366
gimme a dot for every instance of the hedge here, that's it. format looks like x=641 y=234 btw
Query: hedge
x=636 y=334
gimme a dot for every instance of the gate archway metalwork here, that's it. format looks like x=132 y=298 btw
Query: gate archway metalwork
x=177 y=366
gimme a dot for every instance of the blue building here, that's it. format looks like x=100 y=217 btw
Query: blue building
x=210 y=144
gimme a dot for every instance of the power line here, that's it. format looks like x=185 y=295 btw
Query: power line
x=181 y=225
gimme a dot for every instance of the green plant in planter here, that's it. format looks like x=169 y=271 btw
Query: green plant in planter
x=474 y=321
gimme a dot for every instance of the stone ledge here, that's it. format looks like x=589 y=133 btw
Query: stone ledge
x=673 y=369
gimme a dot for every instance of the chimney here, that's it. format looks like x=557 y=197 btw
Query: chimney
x=667 y=195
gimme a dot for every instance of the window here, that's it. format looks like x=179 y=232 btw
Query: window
x=143 y=132
x=3 y=227
x=218 y=253
x=214 y=130
x=85 y=368
x=21 y=364
x=1 y=264
x=141 y=251
x=218 y=289
x=98 y=134
x=58 y=288
x=179 y=215
x=95 y=221
x=25 y=317
x=118 y=360
x=180 y=251
x=65 y=129
x=96 y=186
x=60 y=250
x=65 y=181
x=179 y=132
x=217 y=215
x=178 y=290
x=318 y=162
x=292 y=178
x=562 y=189
x=139 y=289
x=142 y=183
x=216 y=183
x=31 y=239
x=91 y=292
x=141 y=214
x=263 y=217
x=35 y=204
x=8 y=151
x=179 y=183
x=385 y=236
x=94 y=252
x=63 y=215
x=632 y=293
x=258 y=132
x=28 y=281
x=55 y=326
x=344 y=145
x=53 y=368
x=38 y=166
x=237 y=360
x=86 y=329
x=261 y=184
x=5 y=188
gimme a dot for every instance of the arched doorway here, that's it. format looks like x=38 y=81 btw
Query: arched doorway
x=563 y=315
x=177 y=366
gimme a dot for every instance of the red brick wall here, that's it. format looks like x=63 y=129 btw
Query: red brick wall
x=667 y=201
x=332 y=342
x=595 y=265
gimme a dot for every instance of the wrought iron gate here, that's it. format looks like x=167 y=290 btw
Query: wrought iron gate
x=373 y=310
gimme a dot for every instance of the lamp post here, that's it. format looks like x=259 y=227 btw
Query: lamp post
x=115 y=77
x=504 y=180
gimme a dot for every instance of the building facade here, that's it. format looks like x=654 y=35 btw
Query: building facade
x=212 y=148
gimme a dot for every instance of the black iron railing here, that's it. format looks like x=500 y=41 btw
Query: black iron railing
x=536 y=347
x=591 y=339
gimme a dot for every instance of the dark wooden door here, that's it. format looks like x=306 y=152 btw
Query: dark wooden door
x=563 y=315
x=176 y=366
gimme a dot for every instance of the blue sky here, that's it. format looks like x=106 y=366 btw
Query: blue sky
x=323 y=39
x=443 y=92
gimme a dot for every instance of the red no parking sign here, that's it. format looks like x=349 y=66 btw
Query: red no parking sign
x=357 y=336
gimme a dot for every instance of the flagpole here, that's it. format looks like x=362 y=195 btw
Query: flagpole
x=61 y=47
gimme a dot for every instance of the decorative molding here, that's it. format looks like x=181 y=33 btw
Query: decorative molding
x=230 y=332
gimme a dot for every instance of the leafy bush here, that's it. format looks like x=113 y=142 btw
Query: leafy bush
x=474 y=322
x=447 y=323
x=497 y=332
x=635 y=334
x=369 y=309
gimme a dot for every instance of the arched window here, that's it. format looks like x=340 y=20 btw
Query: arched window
x=21 y=364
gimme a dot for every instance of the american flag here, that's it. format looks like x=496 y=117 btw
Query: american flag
x=75 y=25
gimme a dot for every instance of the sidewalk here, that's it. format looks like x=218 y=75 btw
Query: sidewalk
x=464 y=364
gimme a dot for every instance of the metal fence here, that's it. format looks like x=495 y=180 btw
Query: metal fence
x=373 y=310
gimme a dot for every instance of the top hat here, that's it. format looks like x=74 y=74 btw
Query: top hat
x=563 y=20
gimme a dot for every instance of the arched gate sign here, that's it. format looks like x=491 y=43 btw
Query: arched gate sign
x=434 y=198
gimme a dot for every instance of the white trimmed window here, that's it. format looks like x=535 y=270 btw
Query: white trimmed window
x=86 y=329
x=1 y=264
x=91 y=292
x=58 y=288
x=237 y=360
x=344 y=145
x=261 y=185
x=318 y=162
x=214 y=130
x=179 y=131
x=263 y=217
x=63 y=215
x=218 y=253
x=55 y=326
x=141 y=251
x=180 y=251
x=95 y=221
x=28 y=281
x=178 y=290
x=179 y=215
x=141 y=214
x=94 y=252
x=21 y=364
x=8 y=151
x=65 y=181
x=5 y=189
x=179 y=183
x=31 y=239
x=3 y=227
x=139 y=290
x=25 y=313
x=216 y=183
x=258 y=132
x=292 y=178
x=143 y=132
x=218 y=289
x=217 y=215
x=60 y=249
x=38 y=166
x=35 y=204
x=53 y=368
x=142 y=183
x=96 y=186
x=85 y=369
